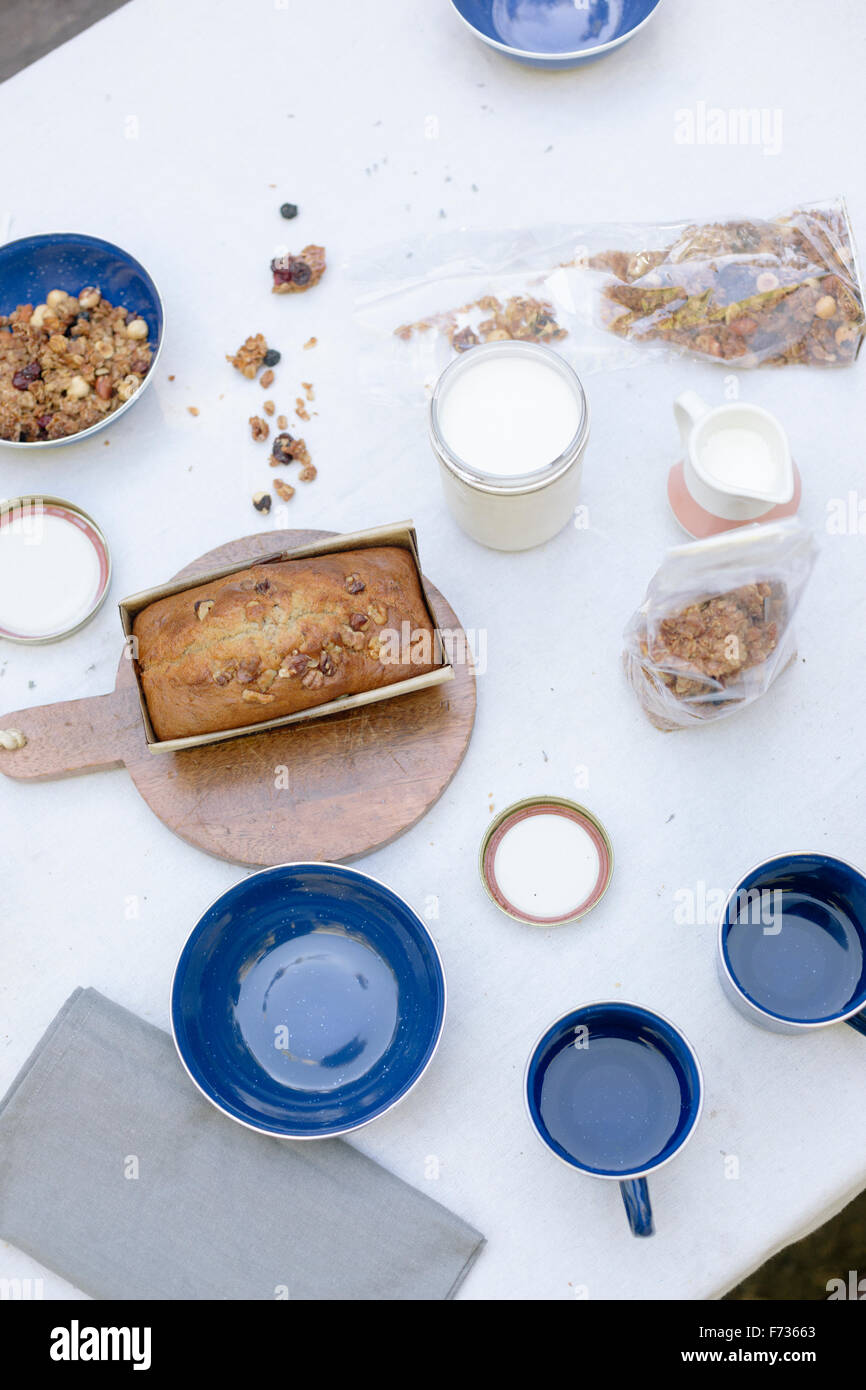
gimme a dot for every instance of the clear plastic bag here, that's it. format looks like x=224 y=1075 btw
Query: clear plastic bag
x=716 y=627
x=749 y=291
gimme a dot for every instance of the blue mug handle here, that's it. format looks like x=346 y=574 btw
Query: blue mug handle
x=635 y=1195
x=858 y=1021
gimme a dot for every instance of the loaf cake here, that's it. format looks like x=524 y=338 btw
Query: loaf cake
x=280 y=638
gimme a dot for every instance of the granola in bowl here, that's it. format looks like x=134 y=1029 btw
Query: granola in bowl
x=67 y=364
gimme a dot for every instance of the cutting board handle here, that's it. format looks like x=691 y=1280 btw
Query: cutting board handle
x=75 y=736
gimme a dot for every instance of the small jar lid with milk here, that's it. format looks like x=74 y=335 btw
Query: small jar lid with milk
x=546 y=861
x=55 y=569
x=509 y=424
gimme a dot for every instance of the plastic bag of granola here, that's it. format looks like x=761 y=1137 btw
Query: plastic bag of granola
x=752 y=291
x=749 y=291
x=422 y=301
x=716 y=627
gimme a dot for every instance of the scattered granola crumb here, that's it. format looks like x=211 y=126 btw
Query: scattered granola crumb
x=269 y=407
x=193 y=410
x=262 y=501
x=258 y=428
x=282 y=422
x=308 y=473
x=308 y=390
x=520 y=317
x=249 y=356
x=310 y=343
x=266 y=379
x=283 y=490
x=171 y=378
x=300 y=409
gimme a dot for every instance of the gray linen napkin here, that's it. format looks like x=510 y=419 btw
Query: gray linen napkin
x=118 y=1175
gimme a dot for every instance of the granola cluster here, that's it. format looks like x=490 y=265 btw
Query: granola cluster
x=249 y=356
x=67 y=363
x=773 y=292
x=705 y=648
x=294 y=274
x=521 y=317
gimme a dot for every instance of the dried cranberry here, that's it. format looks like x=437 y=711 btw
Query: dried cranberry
x=282 y=450
x=22 y=378
x=281 y=270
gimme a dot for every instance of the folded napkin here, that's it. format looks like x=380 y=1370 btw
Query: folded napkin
x=117 y=1174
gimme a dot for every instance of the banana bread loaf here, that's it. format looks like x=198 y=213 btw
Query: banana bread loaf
x=279 y=638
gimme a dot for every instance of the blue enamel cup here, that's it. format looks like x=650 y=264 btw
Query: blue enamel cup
x=792 y=944
x=615 y=1091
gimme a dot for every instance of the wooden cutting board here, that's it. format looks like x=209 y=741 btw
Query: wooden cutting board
x=331 y=789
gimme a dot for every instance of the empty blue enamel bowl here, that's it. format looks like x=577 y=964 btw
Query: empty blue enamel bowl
x=555 y=33
x=308 y=1000
x=34 y=265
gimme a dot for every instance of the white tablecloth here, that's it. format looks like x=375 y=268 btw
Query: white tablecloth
x=177 y=130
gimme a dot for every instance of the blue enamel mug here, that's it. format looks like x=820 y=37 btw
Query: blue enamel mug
x=615 y=1091
x=792 y=944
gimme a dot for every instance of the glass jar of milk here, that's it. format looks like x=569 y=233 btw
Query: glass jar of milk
x=509 y=423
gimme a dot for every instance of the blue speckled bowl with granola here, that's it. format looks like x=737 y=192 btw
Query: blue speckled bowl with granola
x=81 y=329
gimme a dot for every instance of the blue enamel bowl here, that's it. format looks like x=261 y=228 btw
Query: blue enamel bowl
x=308 y=1000
x=34 y=265
x=555 y=33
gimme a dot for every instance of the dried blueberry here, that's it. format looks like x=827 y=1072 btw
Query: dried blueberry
x=289 y=210
x=301 y=273
x=25 y=375
x=282 y=449
x=271 y=357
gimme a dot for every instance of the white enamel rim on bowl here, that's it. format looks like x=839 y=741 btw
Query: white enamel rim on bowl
x=555 y=59
x=345 y=1129
x=630 y=1174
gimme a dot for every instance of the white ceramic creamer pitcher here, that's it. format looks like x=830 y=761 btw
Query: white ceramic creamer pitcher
x=737 y=462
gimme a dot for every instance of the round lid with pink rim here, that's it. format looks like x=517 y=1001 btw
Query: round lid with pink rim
x=55 y=569
x=546 y=861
